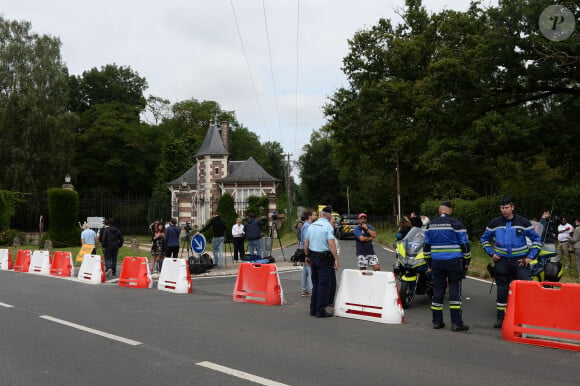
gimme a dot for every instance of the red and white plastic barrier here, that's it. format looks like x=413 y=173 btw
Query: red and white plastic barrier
x=369 y=295
x=5 y=259
x=92 y=269
x=62 y=264
x=175 y=276
x=40 y=263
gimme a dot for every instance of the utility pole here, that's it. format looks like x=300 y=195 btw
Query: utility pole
x=398 y=194
x=289 y=186
x=348 y=198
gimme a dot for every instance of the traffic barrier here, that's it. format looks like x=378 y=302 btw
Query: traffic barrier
x=543 y=314
x=40 y=263
x=175 y=277
x=136 y=273
x=258 y=283
x=5 y=259
x=22 y=263
x=369 y=295
x=92 y=269
x=62 y=264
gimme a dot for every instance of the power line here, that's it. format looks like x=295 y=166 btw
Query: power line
x=249 y=68
x=272 y=69
x=297 y=68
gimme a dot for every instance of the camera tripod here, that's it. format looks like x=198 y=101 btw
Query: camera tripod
x=275 y=226
x=186 y=246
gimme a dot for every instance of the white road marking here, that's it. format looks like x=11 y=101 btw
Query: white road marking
x=6 y=305
x=239 y=374
x=92 y=331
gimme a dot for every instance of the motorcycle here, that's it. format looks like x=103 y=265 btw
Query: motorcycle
x=543 y=268
x=410 y=267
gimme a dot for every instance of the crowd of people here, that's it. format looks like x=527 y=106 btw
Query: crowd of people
x=511 y=241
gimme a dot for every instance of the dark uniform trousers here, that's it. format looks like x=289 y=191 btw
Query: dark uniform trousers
x=447 y=272
x=506 y=270
x=322 y=264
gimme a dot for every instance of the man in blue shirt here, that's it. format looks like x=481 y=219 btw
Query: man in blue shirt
x=448 y=252
x=322 y=256
x=306 y=269
x=504 y=240
x=365 y=252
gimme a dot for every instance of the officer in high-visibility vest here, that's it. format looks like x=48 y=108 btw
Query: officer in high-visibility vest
x=448 y=252
x=504 y=240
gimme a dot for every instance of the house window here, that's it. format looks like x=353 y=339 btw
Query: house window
x=217 y=170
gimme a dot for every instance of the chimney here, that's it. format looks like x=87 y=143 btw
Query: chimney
x=225 y=129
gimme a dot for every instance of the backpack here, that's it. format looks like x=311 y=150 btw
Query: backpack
x=195 y=267
x=206 y=260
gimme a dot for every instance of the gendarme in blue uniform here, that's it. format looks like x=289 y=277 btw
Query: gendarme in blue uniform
x=322 y=263
x=507 y=238
x=447 y=251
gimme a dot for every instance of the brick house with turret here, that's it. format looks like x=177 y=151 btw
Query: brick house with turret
x=194 y=195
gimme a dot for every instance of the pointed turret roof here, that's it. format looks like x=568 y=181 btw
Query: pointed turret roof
x=212 y=143
x=190 y=176
x=248 y=171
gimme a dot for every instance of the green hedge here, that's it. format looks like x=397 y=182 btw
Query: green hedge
x=63 y=209
x=477 y=213
x=8 y=201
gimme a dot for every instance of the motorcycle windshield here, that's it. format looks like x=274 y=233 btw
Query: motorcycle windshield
x=414 y=241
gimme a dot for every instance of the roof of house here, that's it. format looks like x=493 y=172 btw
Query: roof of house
x=190 y=176
x=212 y=143
x=247 y=171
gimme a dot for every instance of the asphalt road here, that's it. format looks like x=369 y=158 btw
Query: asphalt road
x=205 y=338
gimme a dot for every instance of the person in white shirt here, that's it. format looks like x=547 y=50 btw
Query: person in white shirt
x=238 y=234
x=564 y=234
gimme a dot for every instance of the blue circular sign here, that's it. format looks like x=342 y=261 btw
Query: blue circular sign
x=198 y=243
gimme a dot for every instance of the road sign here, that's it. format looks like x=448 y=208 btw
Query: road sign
x=198 y=243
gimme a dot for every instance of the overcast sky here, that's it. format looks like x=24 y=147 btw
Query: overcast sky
x=191 y=49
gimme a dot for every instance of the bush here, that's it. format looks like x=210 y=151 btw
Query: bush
x=8 y=202
x=7 y=236
x=227 y=212
x=63 y=209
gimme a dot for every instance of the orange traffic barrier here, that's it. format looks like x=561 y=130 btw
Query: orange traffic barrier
x=6 y=259
x=136 y=273
x=62 y=264
x=258 y=283
x=22 y=263
x=543 y=314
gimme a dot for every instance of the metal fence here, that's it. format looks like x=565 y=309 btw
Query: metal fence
x=132 y=216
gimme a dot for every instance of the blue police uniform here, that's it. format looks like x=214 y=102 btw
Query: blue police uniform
x=507 y=239
x=322 y=264
x=447 y=250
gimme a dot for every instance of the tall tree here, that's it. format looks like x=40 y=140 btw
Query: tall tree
x=459 y=100
x=36 y=132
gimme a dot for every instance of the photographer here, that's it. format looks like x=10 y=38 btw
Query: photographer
x=254 y=235
x=219 y=232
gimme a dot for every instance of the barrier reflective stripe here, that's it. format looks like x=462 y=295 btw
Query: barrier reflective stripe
x=175 y=276
x=543 y=314
x=62 y=264
x=40 y=263
x=92 y=269
x=5 y=259
x=135 y=273
x=370 y=296
x=258 y=283
x=22 y=262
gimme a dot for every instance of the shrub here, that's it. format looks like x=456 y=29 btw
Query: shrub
x=7 y=236
x=63 y=208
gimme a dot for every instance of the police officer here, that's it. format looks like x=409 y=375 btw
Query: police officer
x=504 y=240
x=322 y=256
x=448 y=253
